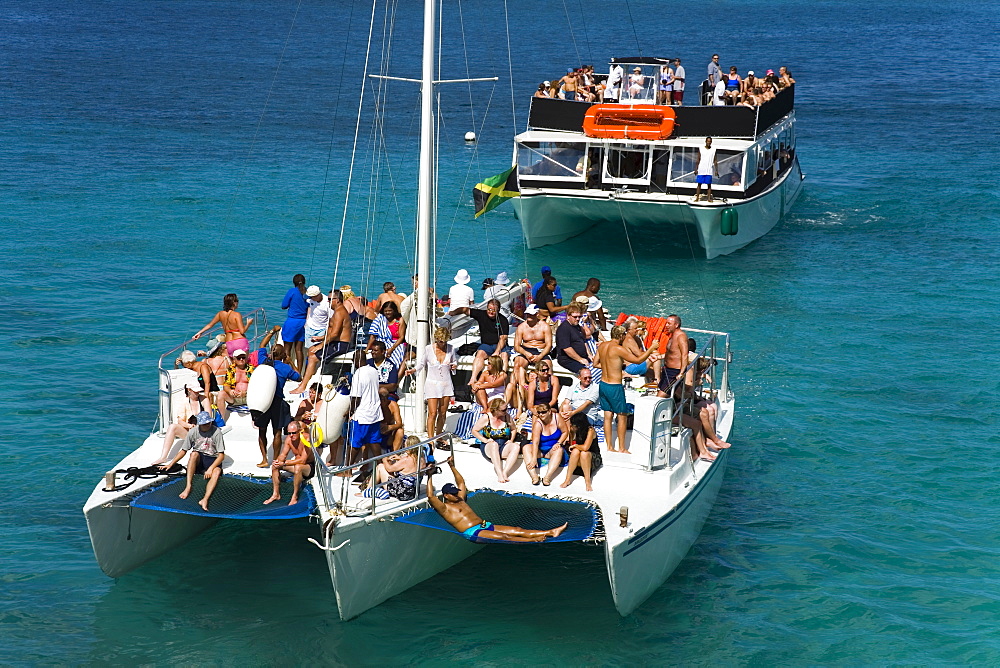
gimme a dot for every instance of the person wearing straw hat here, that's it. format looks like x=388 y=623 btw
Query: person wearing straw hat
x=461 y=294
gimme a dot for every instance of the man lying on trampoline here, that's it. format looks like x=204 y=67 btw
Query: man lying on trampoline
x=453 y=508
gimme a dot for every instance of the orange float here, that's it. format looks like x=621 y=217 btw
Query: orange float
x=622 y=121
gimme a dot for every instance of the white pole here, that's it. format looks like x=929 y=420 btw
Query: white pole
x=425 y=201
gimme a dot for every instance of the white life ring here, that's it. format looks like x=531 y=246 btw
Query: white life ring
x=261 y=388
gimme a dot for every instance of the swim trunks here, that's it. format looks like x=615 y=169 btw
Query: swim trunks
x=362 y=434
x=204 y=461
x=472 y=532
x=612 y=398
x=704 y=178
x=331 y=350
x=669 y=376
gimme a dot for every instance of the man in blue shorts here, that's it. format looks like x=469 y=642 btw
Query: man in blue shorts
x=366 y=409
x=708 y=166
x=454 y=509
x=614 y=356
x=293 y=332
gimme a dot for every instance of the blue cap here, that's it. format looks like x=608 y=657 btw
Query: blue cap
x=204 y=417
x=546 y=270
x=449 y=488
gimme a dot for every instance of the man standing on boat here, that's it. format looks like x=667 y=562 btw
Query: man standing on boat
x=714 y=75
x=677 y=354
x=334 y=341
x=678 y=92
x=454 y=509
x=364 y=429
x=613 y=91
x=612 y=356
x=708 y=166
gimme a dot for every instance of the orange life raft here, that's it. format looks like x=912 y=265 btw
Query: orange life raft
x=621 y=121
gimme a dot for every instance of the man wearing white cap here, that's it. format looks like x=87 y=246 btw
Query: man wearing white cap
x=319 y=312
x=461 y=294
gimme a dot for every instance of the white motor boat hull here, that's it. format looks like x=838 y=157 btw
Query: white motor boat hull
x=550 y=218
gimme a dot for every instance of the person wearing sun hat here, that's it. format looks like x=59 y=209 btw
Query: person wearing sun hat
x=461 y=294
x=207 y=450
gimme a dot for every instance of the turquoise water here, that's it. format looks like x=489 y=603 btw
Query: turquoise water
x=143 y=178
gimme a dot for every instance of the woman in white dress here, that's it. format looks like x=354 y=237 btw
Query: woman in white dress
x=439 y=360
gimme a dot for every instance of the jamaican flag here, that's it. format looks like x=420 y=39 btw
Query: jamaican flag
x=493 y=191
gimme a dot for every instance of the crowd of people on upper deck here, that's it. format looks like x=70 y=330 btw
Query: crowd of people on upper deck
x=667 y=82
x=523 y=410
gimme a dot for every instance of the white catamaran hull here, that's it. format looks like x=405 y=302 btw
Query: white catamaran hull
x=124 y=538
x=638 y=565
x=371 y=561
x=548 y=218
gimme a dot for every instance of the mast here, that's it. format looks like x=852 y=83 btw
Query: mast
x=425 y=202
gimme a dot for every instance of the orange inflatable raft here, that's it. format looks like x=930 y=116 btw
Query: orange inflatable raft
x=620 y=121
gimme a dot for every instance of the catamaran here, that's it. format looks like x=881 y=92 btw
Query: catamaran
x=646 y=509
x=634 y=163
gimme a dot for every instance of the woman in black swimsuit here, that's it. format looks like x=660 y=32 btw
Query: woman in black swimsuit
x=584 y=453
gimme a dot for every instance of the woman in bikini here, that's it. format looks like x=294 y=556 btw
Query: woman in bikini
x=548 y=436
x=494 y=430
x=232 y=324
x=390 y=328
x=543 y=387
x=584 y=453
x=492 y=382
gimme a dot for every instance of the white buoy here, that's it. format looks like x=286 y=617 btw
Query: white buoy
x=470 y=136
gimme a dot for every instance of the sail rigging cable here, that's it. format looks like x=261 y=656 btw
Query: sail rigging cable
x=354 y=148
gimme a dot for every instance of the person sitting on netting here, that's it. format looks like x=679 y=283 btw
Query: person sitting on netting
x=295 y=458
x=207 y=450
x=453 y=508
x=395 y=477
x=548 y=435
x=492 y=382
x=494 y=429
x=584 y=452
x=184 y=421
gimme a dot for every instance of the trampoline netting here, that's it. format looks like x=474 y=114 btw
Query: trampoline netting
x=236 y=497
x=519 y=510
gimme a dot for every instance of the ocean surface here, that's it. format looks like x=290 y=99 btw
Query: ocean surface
x=156 y=155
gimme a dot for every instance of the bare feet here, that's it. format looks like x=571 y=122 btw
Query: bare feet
x=558 y=530
x=274 y=497
x=204 y=505
x=293 y=500
x=708 y=457
x=721 y=444
x=565 y=484
x=264 y=464
x=184 y=494
x=625 y=452
x=590 y=488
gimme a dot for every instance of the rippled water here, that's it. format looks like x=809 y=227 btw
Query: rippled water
x=858 y=521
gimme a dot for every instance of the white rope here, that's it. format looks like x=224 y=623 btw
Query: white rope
x=354 y=148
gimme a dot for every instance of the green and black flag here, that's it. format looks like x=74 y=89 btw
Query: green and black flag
x=493 y=191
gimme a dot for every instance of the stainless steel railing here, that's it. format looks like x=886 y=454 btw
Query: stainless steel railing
x=258 y=329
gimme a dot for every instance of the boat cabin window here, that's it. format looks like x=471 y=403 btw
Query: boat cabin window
x=627 y=164
x=556 y=161
x=684 y=167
